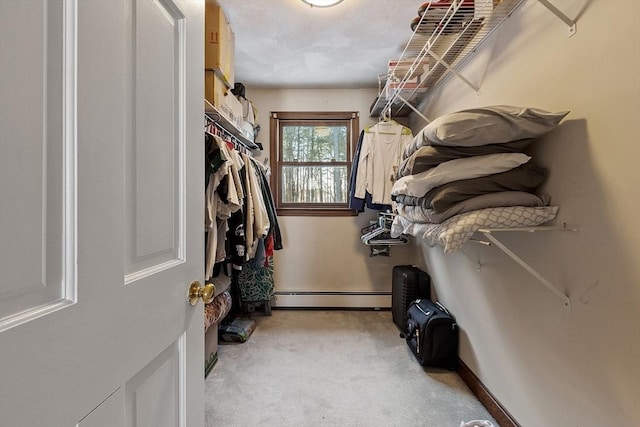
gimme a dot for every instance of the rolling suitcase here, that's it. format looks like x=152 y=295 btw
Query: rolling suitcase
x=432 y=334
x=408 y=283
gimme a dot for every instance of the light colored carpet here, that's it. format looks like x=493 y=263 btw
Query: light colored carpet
x=332 y=368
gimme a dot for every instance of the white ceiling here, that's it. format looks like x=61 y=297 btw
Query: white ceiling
x=287 y=43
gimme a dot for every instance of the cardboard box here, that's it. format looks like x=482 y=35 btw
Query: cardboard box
x=219 y=43
x=408 y=84
x=247 y=130
x=220 y=96
x=214 y=89
x=235 y=109
x=401 y=68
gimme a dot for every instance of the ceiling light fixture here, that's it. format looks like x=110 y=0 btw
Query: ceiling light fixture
x=321 y=3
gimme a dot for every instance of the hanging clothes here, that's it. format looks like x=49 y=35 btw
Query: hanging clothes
x=379 y=157
x=256 y=280
x=241 y=225
x=257 y=219
x=356 y=203
x=224 y=196
x=275 y=243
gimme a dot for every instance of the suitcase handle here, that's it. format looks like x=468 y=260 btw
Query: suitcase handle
x=426 y=313
x=443 y=308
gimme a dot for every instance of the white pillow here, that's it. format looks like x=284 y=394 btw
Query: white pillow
x=489 y=125
x=455 y=170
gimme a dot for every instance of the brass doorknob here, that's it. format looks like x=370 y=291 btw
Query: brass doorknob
x=205 y=292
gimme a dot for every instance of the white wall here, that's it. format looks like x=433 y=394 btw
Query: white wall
x=547 y=365
x=325 y=254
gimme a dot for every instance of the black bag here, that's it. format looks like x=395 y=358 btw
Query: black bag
x=236 y=330
x=408 y=283
x=239 y=90
x=432 y=334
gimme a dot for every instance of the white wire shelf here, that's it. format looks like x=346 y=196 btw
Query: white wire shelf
x=441 y=41
x=212 y=113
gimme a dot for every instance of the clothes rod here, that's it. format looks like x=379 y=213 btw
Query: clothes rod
x=216 y=117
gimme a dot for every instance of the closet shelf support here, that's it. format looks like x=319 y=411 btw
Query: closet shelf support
x=442 y=62
x=415 y=110
x=564 y=18
x=488 y=233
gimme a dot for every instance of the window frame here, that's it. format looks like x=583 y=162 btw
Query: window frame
x=277 y=120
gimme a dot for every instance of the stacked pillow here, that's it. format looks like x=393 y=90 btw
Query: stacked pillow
x=475 y=127
x=470 y=160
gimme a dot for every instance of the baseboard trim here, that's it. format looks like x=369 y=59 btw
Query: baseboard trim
x=325 y=299
x=209 y=364
x=488 y=400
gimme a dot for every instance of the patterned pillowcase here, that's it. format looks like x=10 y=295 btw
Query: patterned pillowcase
x=456 y=231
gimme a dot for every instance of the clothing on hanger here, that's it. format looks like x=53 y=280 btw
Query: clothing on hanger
x=380 y=155
x=386 y=123
x=357 y=203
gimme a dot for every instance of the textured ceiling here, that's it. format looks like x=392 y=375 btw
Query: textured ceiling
x=287 y=43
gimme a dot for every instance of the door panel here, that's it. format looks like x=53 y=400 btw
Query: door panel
x=32 y=218
x=83 y=189
x=158 y=34
x=152 y=393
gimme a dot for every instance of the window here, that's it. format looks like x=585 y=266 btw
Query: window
x=311 y=154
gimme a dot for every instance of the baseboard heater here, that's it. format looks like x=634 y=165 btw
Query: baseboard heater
x=332 y=299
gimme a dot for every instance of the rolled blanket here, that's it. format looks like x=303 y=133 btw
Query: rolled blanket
x=217 y=309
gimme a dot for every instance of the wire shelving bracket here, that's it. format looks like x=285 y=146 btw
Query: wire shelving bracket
x=489 y=234
x=564 y=18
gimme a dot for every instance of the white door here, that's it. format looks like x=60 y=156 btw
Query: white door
x=101 y=212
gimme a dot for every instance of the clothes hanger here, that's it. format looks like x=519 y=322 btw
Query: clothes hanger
x=381 y=235
x=371 y=129
x=370 y=235
x=385 y=119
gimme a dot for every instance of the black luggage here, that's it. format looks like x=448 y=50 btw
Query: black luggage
x=432 y=334
x=408 y=283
